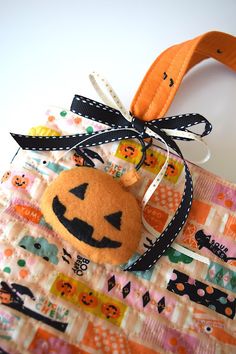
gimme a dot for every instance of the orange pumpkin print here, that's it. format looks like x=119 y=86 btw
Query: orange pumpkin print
x=110 y=310
x=65 y=288
x=151 y=160
x=5 y=297
x=128 y=151
x=20 y=181
x=79 y=161
x=5 y=177
x=88 y=299
x=171 y=170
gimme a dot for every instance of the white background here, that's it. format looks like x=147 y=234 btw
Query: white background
x=48 y=47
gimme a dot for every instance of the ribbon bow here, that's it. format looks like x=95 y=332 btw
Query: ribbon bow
x=123 y=126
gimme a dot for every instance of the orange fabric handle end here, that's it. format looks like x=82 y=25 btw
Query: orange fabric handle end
x=162 y=80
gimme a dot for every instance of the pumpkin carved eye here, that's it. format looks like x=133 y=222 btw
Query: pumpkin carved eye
x=80 y=191
x=114 y=219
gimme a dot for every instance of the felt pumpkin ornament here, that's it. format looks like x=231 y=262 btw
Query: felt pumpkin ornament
x=93 y=212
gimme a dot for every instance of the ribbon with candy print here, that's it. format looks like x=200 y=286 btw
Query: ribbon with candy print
x=121 y=128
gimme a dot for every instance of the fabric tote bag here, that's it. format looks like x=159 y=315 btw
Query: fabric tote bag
x=111 y=242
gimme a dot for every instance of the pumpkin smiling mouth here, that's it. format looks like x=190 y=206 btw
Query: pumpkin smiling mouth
x=19 y=184
x=80 y=229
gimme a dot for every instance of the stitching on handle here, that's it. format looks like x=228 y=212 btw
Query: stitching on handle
x=158 y=89
x=152 y=68
x=194 y=46
x=178 y=81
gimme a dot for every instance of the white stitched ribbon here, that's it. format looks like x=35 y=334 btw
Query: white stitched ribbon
x=98 y=82
x=192 y=136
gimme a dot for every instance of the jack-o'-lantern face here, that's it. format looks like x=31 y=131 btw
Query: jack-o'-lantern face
x=171 y=170
x=128 y=151
x=20 y=181
x=5 y=298
x=150 y=160
x=65 y=288
x=88 y=299
x=5 y=177
x=79 y=161
x=110 y=311
x=93 y=212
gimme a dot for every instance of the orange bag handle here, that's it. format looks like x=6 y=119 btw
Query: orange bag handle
x=162 y=80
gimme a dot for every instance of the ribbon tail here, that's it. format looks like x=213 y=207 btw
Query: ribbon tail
x=98 y=112
x=151 y=256
x=47 y=143
x=182 y=122
x=67 y=142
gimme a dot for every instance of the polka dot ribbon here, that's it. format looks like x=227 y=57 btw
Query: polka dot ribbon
x=124 y=126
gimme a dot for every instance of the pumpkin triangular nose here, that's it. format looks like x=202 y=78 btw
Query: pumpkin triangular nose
x=114 y=219
x=80 y=191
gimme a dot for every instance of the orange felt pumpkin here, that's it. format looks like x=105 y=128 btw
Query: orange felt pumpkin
x=20 y=181
x=95 y=213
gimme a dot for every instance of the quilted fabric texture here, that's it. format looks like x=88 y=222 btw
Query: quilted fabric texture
x=53 y=299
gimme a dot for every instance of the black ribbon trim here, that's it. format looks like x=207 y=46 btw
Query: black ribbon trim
x=120 y=128
x=164 y=241
x=67 y=142
x=98 y=112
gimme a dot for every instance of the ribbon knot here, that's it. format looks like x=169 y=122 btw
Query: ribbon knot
x=139 y=125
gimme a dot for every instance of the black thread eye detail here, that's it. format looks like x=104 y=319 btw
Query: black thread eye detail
x=80 y=191
x=164 y=75
x=219 y=51
x=44 y=162
x=114 y=219
x=171 y=82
